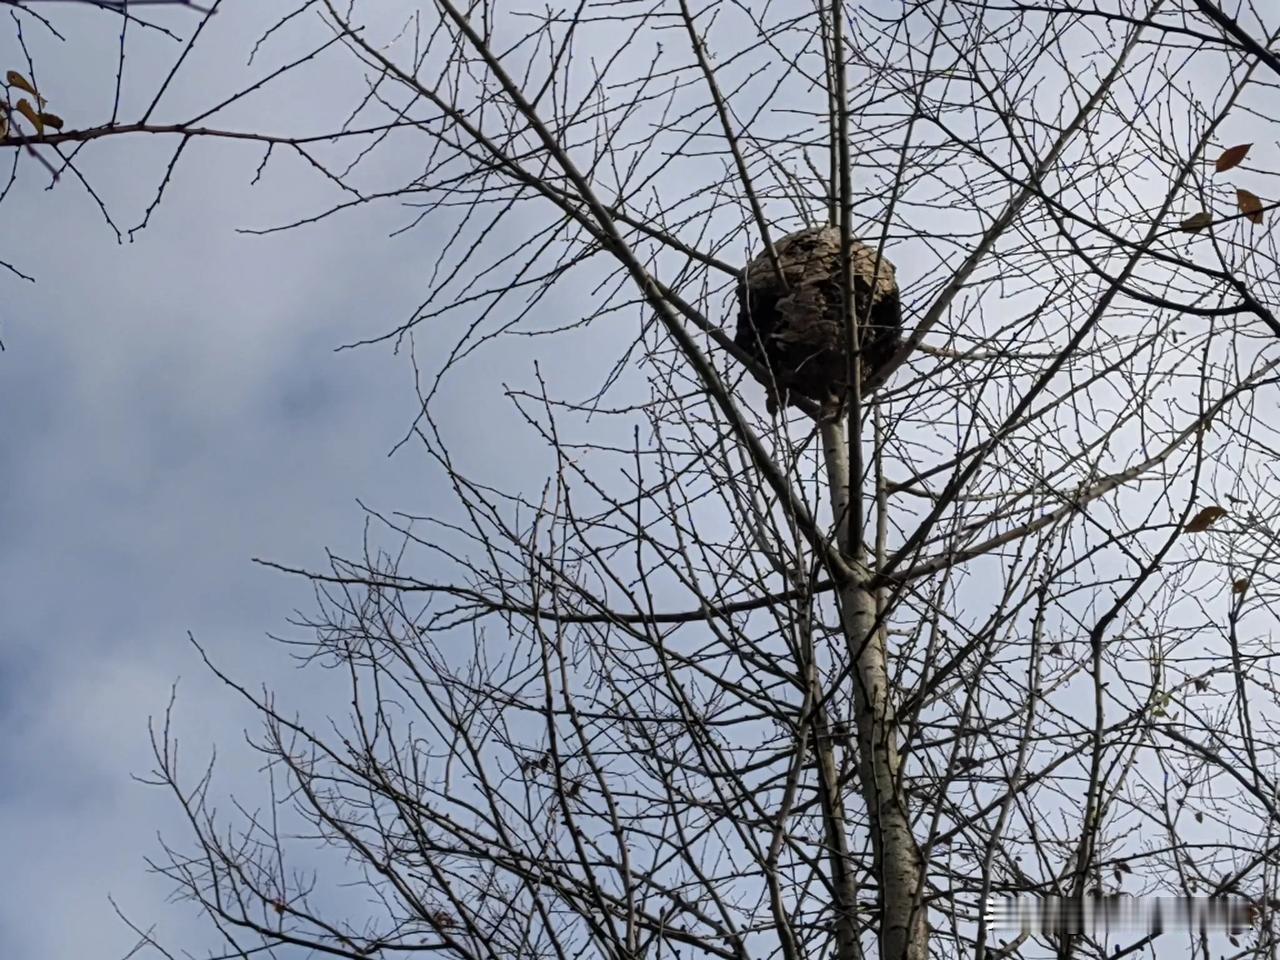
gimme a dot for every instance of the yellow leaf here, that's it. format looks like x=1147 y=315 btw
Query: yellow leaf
x=1203 y=520
x=1232 y=157
x=1196 y=222
x=16 y=79
x=1250 y=205
x=52 y=120
x=28 y=111
x=1240 y=586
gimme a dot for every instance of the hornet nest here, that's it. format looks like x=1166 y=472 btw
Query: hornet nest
x=797 y=333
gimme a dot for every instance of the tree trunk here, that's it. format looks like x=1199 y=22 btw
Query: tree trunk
x=897 y=860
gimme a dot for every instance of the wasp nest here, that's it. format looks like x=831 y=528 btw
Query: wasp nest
x=796 y=332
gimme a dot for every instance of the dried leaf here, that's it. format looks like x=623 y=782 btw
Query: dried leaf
x=1199 y=817
x=1240 y=586
x=4 y=126
x=1203 y=520
x=1196 y=222
x=1232 y=157
x=1250 y=205
x=15 y=79
x=28 y=111
x=52 y=120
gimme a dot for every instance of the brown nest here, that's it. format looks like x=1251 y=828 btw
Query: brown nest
x=797 y=333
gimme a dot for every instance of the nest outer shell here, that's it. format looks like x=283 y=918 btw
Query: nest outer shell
x=797 y=334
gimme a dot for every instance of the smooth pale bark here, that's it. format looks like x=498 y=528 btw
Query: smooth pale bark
x=904 y=934
x=847 y=924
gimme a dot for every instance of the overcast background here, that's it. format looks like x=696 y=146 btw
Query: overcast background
x=172 y=408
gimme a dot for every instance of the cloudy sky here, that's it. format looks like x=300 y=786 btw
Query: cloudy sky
x=172 y=408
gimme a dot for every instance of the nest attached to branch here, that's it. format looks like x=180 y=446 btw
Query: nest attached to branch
x=797 y=332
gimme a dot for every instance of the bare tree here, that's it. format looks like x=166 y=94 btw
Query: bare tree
x=989 y=617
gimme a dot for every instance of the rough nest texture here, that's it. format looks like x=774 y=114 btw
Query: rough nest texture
x=797 y=334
